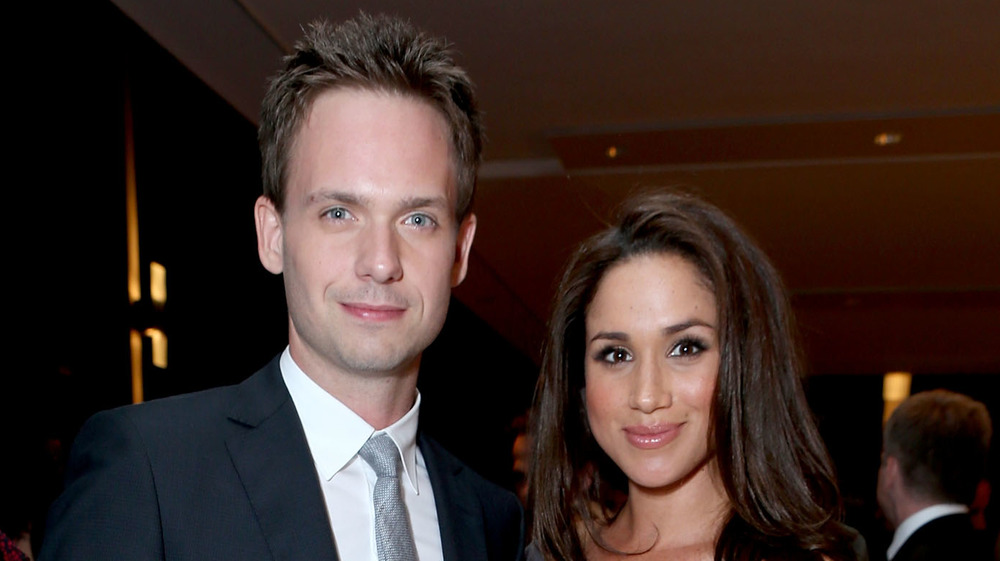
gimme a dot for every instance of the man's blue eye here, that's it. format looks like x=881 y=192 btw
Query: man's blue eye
x=420 y=220
x=338 y=213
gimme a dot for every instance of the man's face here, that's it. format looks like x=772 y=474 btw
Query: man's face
x=368 y=241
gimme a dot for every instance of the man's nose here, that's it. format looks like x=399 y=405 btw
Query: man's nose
x=378 y=254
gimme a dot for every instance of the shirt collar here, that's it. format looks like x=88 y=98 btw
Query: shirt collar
x=916 y=520
x=335 y=433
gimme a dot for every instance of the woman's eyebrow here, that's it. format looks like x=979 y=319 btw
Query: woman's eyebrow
x=610 y=335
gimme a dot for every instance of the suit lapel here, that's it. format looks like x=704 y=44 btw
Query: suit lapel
x=276 y=468
x=460 y=516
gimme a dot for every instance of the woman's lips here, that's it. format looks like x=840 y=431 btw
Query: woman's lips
x=373 y=312
x=652 y=436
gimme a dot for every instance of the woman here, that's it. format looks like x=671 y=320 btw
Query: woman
x=671 y=377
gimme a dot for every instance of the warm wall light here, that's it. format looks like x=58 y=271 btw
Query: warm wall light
x=887 y=138
x=895 y=388
x=135 y=343
x=158 y=284
x=612 y=152
x=131 y=207
x=159 y=341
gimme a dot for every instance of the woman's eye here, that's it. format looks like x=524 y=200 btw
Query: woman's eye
x=614 y=355
x=687 y=347
x=420 y=220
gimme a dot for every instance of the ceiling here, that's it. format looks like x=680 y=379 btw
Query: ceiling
x=770 y=110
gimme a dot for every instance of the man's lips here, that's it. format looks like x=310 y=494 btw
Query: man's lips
x=652 y=436
x=373 y=312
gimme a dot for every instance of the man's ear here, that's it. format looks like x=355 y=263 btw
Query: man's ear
x=891 y=471
x=463 y=246
x=269 y=234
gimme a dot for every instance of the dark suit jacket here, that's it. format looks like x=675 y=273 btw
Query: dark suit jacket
x=949 y=538
x=227 y=474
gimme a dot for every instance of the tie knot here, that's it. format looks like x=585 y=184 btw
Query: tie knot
x=381 y=453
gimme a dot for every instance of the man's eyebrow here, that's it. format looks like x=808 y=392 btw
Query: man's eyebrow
x=409 y=203
x=335 y=197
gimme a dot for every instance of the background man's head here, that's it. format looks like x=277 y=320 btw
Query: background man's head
x=936 y=443
x=379 y=54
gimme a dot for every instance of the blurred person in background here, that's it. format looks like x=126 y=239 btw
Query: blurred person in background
x=934 y=452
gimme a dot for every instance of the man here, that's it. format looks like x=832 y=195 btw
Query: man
x=370 y=142
x=935 y=447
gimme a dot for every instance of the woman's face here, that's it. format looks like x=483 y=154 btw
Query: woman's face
x=651 y=366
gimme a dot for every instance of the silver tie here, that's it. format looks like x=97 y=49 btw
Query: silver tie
x=393 y=536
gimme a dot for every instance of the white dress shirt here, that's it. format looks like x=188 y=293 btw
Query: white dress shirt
x=916 y=520
x=335 y=435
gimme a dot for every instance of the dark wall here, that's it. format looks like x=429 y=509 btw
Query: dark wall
x=473 y=383
x=197 y=172
x=67 y=313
